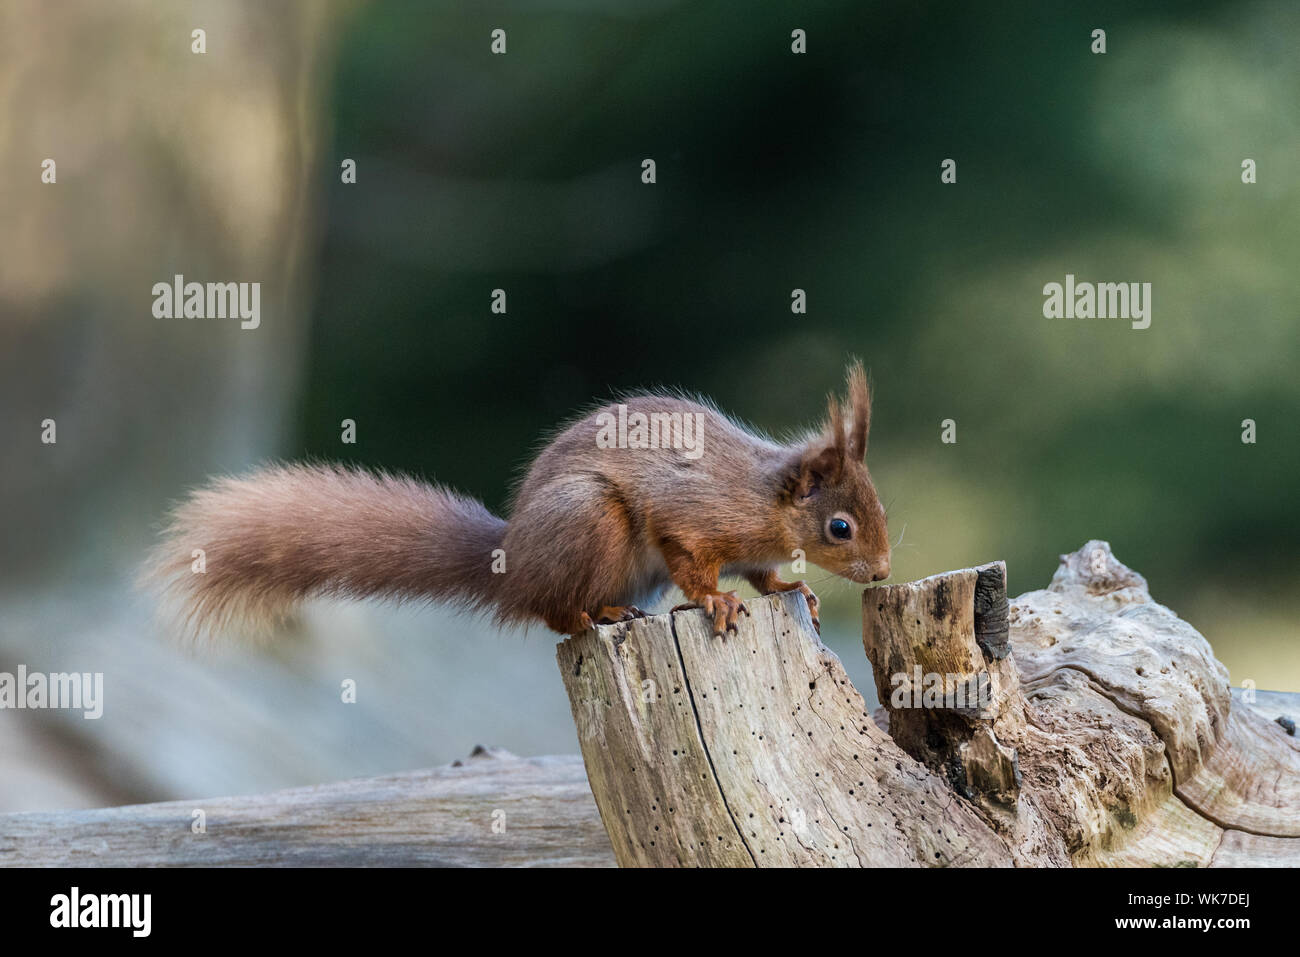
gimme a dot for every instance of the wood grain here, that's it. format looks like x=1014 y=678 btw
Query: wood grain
x=762 y=736
x=1108 y=736
x=541 y=808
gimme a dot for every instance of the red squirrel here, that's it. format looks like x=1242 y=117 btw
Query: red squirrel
x=600 y=524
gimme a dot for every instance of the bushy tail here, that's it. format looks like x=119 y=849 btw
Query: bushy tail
x=243 y=552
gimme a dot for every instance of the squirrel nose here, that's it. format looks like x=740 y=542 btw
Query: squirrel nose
x=882 y=571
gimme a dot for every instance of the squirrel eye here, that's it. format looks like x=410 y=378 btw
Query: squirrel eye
x=840 y=529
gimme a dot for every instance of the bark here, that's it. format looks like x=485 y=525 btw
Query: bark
x=1083 y=724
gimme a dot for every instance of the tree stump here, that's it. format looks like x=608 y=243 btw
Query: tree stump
x=755 y=750
x=1079 y=725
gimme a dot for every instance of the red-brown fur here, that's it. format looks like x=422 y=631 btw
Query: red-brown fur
x=593 y=532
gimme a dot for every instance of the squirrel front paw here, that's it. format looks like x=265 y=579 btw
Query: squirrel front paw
x=813 y=603
x=724 y=608
x=769 y=584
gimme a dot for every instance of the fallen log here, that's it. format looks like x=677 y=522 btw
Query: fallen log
x=491 y=810
x=1079 y=725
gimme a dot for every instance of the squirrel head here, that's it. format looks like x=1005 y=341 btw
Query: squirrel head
x=833 y=511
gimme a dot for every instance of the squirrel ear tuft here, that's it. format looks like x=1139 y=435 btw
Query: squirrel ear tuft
x=823 y=459
x=857 y=409
x=820 y=464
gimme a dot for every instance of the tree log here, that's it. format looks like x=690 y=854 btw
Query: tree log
x=491 y=810
x=1079 y=725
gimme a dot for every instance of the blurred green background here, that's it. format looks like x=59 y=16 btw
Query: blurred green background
x=522 y=172
x=821 y=172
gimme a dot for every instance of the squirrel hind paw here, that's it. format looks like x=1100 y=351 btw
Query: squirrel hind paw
x=609 y=615
x=613 y=614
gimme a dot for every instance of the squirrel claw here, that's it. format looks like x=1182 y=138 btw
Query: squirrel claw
x=725 y=609
x=814 y=603
x=616 y=614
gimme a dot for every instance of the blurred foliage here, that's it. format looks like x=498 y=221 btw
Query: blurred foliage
x=777 y=171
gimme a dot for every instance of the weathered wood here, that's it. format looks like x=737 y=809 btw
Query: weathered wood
x=492 y=810
x=1135 y=751
x=644 y=755
x=759 y=751
x=753 y=751
x=1105 y=735
x=940 y=657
